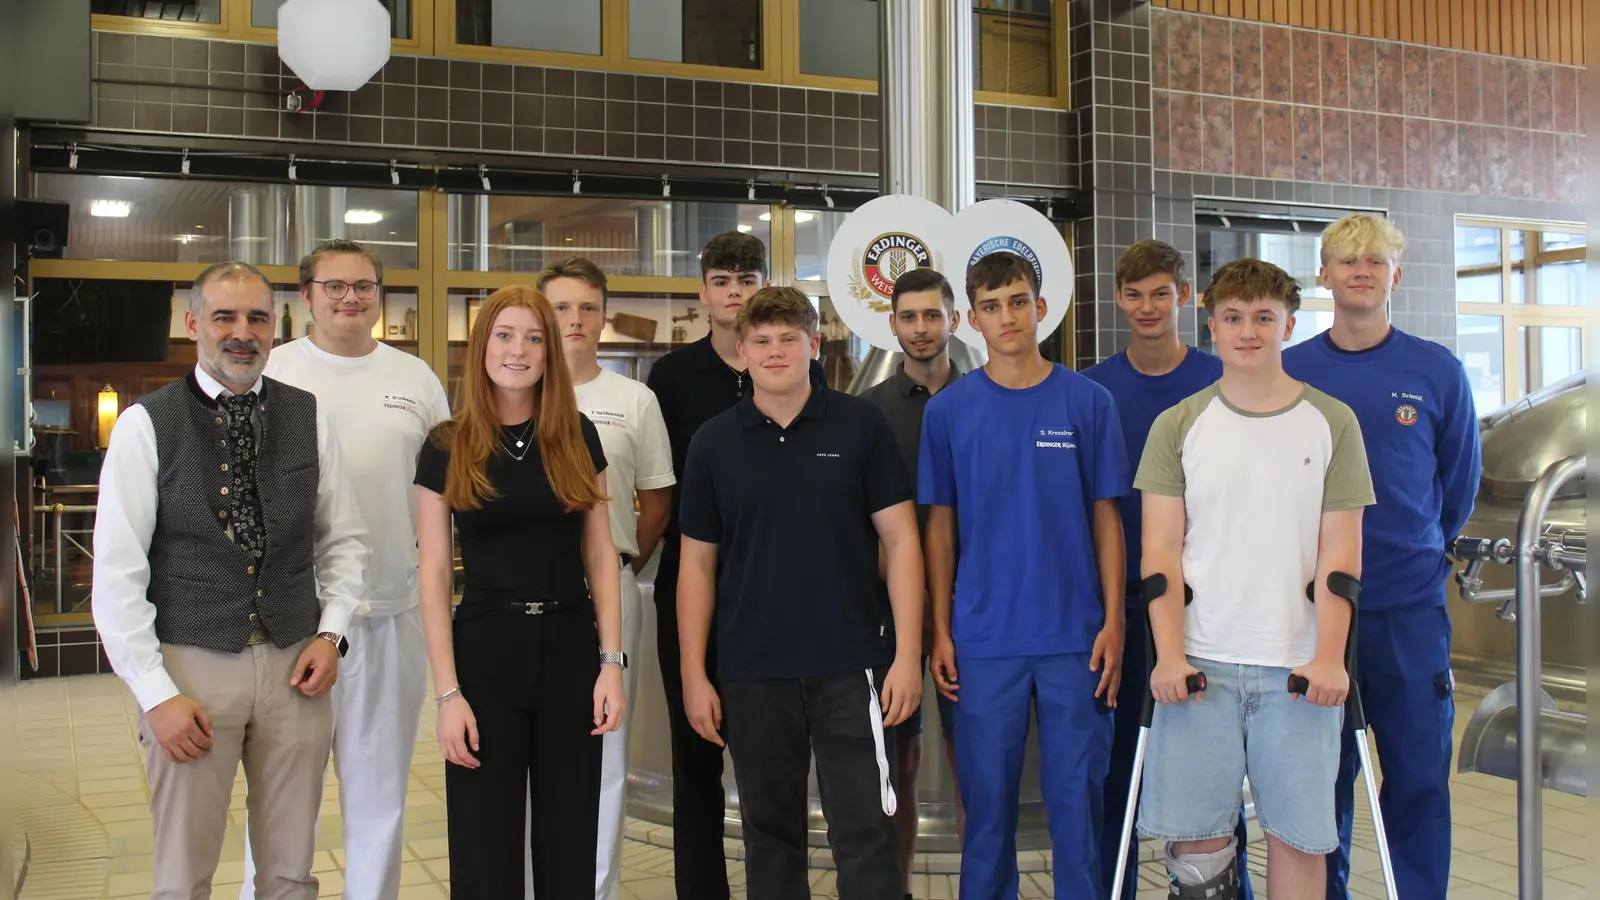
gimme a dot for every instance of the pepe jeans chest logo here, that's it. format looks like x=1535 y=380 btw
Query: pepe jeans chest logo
x=887 y=258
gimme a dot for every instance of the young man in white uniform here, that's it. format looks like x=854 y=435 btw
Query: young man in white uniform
x=638 y=462
x=382 y=402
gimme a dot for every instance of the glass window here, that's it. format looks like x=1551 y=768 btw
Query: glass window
x=264 y=14
x=623 y=237
x=1308 y=323
x=171 y=220
x=839 y=38
x=842 y=351
x=1561 y=284
x=1478 y=288
x=699 y=32
x=1012 y=50
x=1518 y=250
x=206 y=11
x=1555 y=240
x=1550 y=353
x=1481 y=346
x=1477 y=246
x=570 y=26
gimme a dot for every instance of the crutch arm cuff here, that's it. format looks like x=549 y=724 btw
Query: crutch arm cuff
x=1340 y=584
x=1154 y=587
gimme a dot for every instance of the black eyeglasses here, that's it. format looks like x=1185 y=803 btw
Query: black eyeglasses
x=336 y=290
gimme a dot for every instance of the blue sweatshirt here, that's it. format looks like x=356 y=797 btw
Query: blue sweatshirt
x=1417 y=420
x=1140 y=398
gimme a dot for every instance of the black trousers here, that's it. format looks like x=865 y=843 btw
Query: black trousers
x=774 y=728
x=530 y=681
x=700 y=868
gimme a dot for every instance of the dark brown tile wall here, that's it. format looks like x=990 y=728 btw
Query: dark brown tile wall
x=216 y=88
x=1353 y=110
x=68 y=651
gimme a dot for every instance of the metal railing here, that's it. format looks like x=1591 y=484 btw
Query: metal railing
x=1535 y=548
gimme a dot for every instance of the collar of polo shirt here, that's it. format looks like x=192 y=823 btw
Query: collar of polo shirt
x=816 y=407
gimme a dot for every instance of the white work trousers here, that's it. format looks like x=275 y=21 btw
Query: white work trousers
x=377 y=704
x=614 y=766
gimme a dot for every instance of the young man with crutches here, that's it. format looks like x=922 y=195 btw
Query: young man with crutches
x=1415 y=406
x=1252 y=489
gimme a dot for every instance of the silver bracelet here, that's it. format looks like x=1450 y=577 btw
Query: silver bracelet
x=453 y=692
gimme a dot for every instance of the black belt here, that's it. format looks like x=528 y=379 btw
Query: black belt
x=540 y=607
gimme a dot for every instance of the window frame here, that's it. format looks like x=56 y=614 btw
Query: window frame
x=1514 y=317
x=235 y=26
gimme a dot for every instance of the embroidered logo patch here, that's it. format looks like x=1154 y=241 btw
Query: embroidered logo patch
x=1406 y=415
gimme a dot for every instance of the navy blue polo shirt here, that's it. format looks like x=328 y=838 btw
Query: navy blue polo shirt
x=797 y=558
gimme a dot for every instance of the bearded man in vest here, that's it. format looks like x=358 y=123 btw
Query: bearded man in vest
x=229 y=556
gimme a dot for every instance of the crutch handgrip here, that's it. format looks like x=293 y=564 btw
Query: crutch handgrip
x=1195 y=683
x=1299 y=684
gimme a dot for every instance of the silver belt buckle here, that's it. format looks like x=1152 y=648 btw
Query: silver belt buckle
x=535 y=608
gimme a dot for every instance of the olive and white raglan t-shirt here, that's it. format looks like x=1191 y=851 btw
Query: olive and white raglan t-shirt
x=1254 y=486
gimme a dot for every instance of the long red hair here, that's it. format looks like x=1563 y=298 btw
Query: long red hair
x=474 y=432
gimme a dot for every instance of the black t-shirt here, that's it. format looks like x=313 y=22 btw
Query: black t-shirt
x=791 y=510
x=521 y=545
x=692 y=384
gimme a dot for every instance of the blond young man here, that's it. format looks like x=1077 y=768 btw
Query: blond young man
x=1417 y=419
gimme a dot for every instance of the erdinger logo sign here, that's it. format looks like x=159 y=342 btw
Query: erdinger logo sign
x=892 y=235
x=890 y=256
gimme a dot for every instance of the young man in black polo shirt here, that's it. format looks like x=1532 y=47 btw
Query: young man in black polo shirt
x=692 y=384
x=922 y=317
x=785 y=499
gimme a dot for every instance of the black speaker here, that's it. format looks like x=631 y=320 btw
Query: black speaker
x=42 y=227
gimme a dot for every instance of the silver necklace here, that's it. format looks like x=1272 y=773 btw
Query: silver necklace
x=521 y=442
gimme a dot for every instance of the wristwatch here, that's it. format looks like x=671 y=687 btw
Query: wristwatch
x=333 y=638
x=619 y=659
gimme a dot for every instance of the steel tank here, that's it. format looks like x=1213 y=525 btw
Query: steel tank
x=1520 y=441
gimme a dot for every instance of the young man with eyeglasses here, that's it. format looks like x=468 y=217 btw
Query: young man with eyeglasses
x=381 y=402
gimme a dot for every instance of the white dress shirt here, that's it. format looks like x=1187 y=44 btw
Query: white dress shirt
x=125 y=523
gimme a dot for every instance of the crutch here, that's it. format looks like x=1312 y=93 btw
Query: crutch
x=1151 y=589
x=1342 y=585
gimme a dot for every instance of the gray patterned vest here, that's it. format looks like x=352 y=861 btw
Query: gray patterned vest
x=207 y=592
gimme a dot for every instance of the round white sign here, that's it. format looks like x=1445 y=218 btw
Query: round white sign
x=882 y=240
x=991 y=226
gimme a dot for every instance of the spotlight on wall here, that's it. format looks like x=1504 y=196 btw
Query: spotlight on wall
x=110 y=209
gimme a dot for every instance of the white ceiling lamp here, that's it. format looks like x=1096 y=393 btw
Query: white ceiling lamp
x=746 y=229
x=803 y=216
x=333 y=45
x=362 y=217
x=766 y=217
x=110 y=209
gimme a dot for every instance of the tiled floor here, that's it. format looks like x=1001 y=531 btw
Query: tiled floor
x=82 y=799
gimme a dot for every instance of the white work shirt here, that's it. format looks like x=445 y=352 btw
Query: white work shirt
x=382 y=407
x=638 y=452
x=126 y=521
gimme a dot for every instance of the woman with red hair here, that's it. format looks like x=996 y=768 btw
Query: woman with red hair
x=529 y=671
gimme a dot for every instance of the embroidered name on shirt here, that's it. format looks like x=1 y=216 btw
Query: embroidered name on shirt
x=606 y=417
x=1405 y=395
x=1051 y=439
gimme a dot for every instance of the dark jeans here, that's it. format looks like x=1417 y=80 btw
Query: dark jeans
x=700 y=868
x=774 y=728
x=530 y=681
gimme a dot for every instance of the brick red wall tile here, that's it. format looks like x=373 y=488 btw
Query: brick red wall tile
x=1443 y=137
x=1566 y=100
x=1496 y=161
x=1541 y=97
x=1277 y=63
x=1492 y=90
x=1186 y=130
x=1307 y=143
x=1218 y=136
x=1469 y=159
x=1336 y=146
x=1442 y=84
x=1246 y=38
x=1518 y=94
x=1519 y=156
x=1391 y=78
x=1159 y=43
x=1419 y=155
x=1335 y=71
x=1363 y=74
x=1183 y=53
x=1569 y=166
x=1277 y=138
x=1542 y=160
x=1391 y=152
x=1469 y=88
x=1216 y=72
x=1363 y=148
x=1307 y=68
x=1414 y=79
x=1161 y=126
x=1248 y=156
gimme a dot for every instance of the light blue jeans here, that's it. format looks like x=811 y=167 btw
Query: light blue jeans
x=1245 y=724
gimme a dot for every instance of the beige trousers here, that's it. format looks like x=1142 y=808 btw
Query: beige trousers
x=283 y=739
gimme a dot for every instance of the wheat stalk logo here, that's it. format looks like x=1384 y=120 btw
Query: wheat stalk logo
x=897 y=265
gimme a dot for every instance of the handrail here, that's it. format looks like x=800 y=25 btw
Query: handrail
x=1530 y=652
